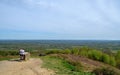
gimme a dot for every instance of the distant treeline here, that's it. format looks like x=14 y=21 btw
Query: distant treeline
x=58 y=44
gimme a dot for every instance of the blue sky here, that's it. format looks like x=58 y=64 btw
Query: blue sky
x=60 y=19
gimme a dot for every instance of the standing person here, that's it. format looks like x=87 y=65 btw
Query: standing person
x=22 y=54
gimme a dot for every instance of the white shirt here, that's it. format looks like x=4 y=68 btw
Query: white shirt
x=22 y=51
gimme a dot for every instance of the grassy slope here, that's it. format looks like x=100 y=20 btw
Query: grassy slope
x=88 y=65
x=61 y=67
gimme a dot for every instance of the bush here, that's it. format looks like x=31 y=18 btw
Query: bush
x=75 y=51
x=67 y=51
x=118 y=64
x=105 y=58
x=8 y=53
x=96 y=55
x=52 y=51
x=105 y=71
x=117 y=56
x=112 y=61
x=42 y=54
x=83 y=53
x=13 y=53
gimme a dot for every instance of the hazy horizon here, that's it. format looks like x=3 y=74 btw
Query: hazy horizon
x=59 y=19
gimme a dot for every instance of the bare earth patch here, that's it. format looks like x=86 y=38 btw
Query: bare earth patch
x=31 y=67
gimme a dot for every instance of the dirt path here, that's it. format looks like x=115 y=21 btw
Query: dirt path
x=31 y=67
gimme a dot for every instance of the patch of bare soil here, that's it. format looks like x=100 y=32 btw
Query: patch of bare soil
x=30 y=67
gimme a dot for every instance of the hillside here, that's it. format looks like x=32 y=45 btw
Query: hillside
x=76 y=65
x=54 y=64
x=88 y=64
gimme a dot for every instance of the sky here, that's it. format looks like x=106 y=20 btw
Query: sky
x=60 y=19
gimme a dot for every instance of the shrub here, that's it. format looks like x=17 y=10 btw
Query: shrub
x=52 y=51
x=67 y=51
x=105 y=58
x=7 y=53
x=118 y=64
x=105 y=71
x=112 y=61
x=13 y=53
x=83 y=53
x=117 y=57
x=75 y=51
x=94 y=54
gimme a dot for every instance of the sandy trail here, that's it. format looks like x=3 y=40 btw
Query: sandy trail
x=31 y=67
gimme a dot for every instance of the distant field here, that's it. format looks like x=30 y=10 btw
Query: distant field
x=58 y=44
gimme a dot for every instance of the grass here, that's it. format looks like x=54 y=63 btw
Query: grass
x=7 y=57
x=60 y=66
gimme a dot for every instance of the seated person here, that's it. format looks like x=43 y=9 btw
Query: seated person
x=22 y=54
